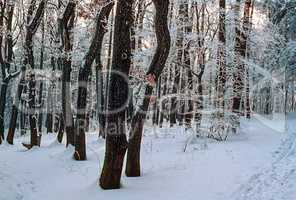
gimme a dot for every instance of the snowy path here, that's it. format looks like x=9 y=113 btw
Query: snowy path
x=277 y=181
x=214 y=173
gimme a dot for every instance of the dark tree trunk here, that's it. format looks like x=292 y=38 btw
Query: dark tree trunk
x=240 y=49
x=5 y=65
x=155 y=118
x=33 y=24
x=154 y=109
x=221 y=61
x=100 y=96
x=163 y=104
x=66 y=26
x=2 y=108
x=248 y=104
x=3 y=70
x=49 y=115
x=29 y=60
x=155 y=70
x=188 y=104
x=60 y=127
x=180 y=58
x=118 y=97
x=83 y=77
x=107 y=74
x=40 y=100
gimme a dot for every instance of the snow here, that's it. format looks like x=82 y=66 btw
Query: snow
x=276 y=122
x=237 y=169
x=276 y=181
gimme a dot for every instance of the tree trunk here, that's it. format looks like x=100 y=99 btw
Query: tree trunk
x=2 y=109
x=189 y=86
x=33 y=24
x=3 y=73
x=240 y=49
x=221 y=61
x=5 y=65
x=182 y=15
x=155 y=70
x=66 y=28
x=118 y=97
x=49 y=115
x=100 y=95
x=200 y=55
x=29 y=60
x=40 y=100
x=163 y=104
x=248 y=104
x=83 y=77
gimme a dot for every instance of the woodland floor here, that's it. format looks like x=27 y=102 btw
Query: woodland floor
x=257 y=164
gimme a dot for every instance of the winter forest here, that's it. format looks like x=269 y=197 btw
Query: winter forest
x=142 y=99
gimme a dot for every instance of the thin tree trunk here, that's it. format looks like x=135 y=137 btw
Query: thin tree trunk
x=221 y=80
x=248 y=104
x=49 y=115
x=200 y=19
x=40 y=100
x=66 y=26
x=2 y=106
x=183 y=7
x=163 y=104
x=189 y=86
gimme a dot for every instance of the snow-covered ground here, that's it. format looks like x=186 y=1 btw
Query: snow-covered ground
x=277 y=180
x=236 y=169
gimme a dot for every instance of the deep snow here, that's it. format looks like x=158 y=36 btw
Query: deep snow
x=208 y=170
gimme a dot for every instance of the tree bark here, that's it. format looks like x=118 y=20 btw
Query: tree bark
x=66 y=27
x=5 y=65
x=29 y=60
x=200 y=54
x=83 y=77
x=189 y=104
x=118 y=97
x=33 y=24
x=221 y=60
x=40 y=100
x=240 y=49
x=155 y=70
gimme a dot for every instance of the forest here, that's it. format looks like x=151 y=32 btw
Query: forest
x=163 y=99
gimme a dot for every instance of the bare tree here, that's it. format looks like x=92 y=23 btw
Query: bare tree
x=241 y=50
x=6 y=58
x=83 y=77
x=66 y=25
x=221 y=61
x=156 y=67
x=118 y=96
x=28 y=65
